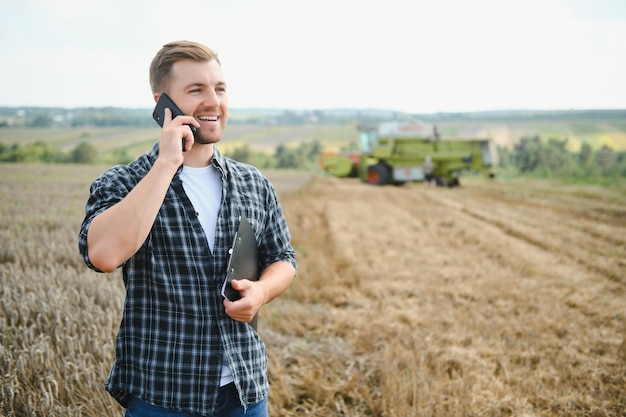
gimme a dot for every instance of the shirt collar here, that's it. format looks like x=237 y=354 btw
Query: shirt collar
x=218 y=160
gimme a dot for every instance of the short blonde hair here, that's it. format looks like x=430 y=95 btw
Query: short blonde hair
x=161 y=65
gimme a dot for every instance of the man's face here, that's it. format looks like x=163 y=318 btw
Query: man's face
x=199 y=90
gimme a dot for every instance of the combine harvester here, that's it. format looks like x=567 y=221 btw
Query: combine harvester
x=395 y=153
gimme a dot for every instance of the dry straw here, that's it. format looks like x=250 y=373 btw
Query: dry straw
x=490 y=300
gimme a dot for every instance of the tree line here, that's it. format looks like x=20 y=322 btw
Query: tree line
x=533 y=156
x=530 y=156
x=41 y=151
x=304 y=156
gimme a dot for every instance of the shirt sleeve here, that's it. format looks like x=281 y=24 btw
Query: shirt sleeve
x=106 y=191
x=275 y=245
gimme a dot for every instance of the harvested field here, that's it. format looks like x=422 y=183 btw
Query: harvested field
x=493 y=299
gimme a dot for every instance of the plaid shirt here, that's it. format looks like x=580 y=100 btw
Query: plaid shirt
x=174 y=330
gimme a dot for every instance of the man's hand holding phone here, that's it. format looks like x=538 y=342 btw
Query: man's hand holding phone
x=176 y=132
x=175 y=124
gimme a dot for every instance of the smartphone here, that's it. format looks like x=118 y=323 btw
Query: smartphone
x=158 y=114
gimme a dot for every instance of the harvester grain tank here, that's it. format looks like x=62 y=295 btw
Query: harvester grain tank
x=395 y=153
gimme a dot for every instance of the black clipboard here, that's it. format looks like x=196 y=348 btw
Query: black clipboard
x=243 y=261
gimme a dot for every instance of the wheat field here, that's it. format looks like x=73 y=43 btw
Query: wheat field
x=502 y=298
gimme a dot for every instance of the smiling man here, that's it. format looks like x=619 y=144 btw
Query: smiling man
x=168 y=219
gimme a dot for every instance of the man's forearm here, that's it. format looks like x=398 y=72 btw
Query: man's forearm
x=276 y=278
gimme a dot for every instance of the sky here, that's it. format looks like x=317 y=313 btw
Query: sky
x=415 y=56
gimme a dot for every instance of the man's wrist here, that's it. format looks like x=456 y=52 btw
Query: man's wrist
x=164 y=167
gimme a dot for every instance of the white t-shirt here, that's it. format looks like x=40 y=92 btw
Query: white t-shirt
x=203 y=186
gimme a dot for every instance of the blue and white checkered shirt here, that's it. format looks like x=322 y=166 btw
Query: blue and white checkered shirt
x=174 y=330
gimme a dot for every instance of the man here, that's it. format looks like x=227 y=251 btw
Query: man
x=169 y=219
x=429 y=171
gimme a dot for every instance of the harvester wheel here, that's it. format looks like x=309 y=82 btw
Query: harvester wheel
x=441 y=181
x=378 y=174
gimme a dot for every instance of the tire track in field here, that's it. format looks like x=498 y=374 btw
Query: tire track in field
x=561 y=231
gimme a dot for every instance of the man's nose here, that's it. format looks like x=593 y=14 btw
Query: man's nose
x=211 y=99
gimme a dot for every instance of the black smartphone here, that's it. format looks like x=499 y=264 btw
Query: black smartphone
x=158 y=114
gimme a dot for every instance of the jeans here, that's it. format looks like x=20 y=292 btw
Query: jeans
x=228 y=405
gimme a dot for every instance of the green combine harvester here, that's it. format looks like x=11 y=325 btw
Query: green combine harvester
x=395 y=153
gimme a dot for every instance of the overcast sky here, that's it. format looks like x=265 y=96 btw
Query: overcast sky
x=420 y=56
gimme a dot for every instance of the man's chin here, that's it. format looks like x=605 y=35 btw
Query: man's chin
x=206 y=141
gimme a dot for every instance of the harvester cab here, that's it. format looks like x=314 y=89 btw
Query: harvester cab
x=368 y=137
